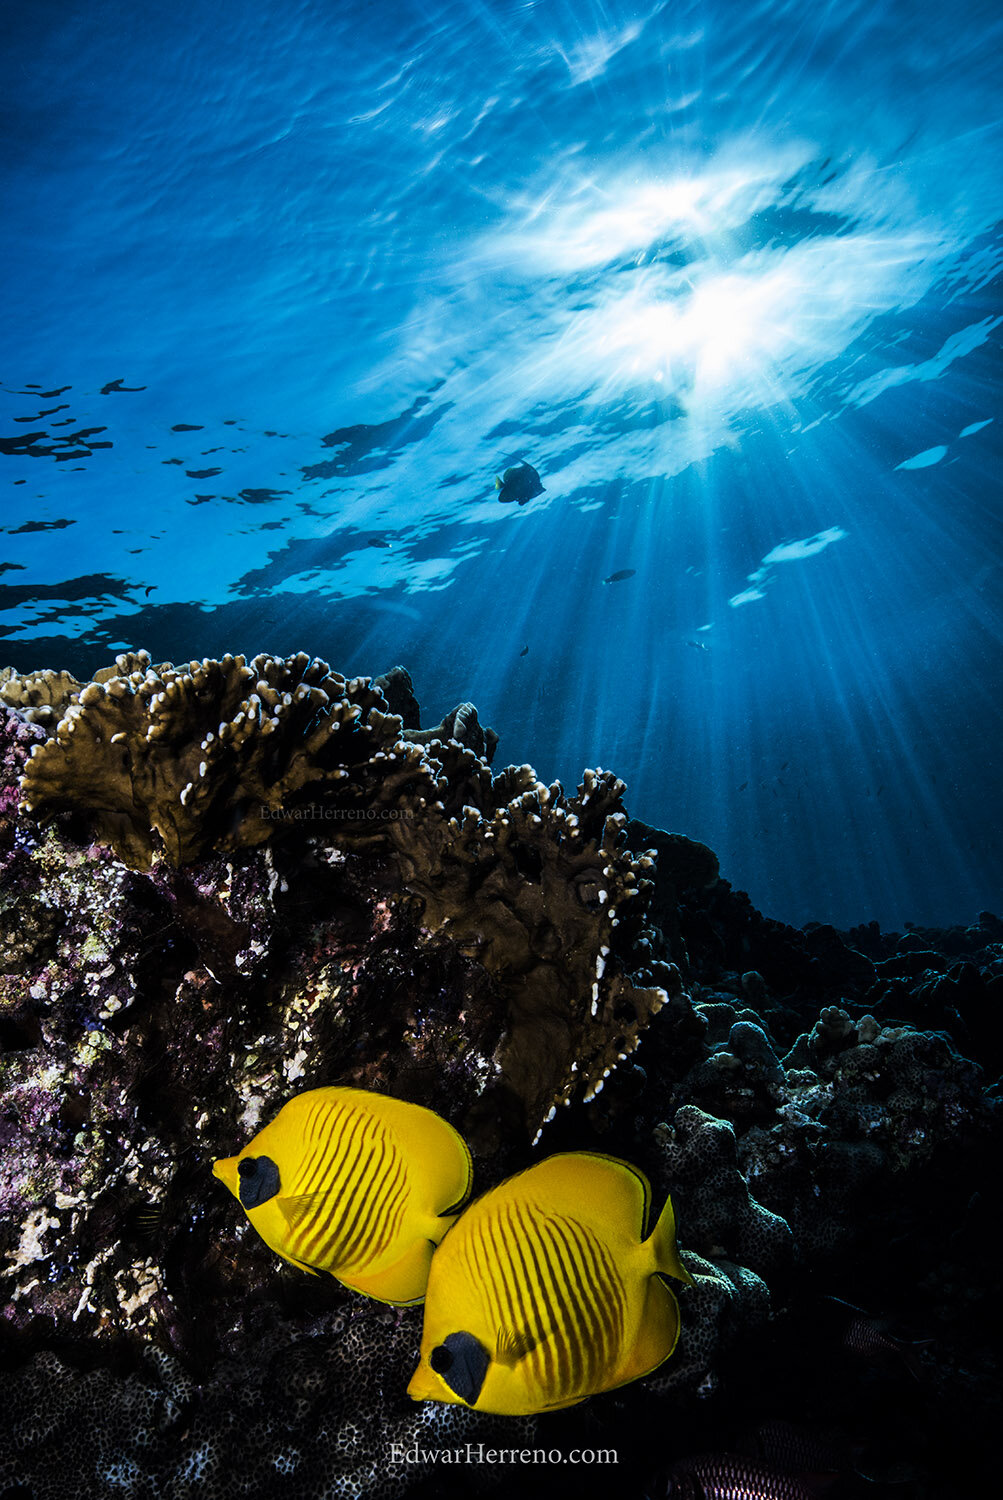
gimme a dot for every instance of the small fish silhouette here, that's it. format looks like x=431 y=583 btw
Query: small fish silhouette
x=520 y=483
x=619 y=576
x=798 y=1450
x=868 y=1338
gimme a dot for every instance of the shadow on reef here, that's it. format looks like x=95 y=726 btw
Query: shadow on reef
x=225 y=883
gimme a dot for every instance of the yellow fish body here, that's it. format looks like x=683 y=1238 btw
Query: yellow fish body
x=547 y=1290
x=354 y=1183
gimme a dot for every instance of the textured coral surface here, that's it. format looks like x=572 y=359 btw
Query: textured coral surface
x=822 y=1106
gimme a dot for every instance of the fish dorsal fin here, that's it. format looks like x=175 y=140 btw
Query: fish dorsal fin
x=591 y=1186
x=515 y=1345
x=298 y=1208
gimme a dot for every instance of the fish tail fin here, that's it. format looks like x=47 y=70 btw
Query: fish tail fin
x=665 y=1252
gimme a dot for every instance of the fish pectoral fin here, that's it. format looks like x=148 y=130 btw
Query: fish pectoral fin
x=498 y=481
x=296 y=1210
x=515 y=1345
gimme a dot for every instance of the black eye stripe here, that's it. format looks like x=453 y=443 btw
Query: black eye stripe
x=467 y=1366
x=258 y=1180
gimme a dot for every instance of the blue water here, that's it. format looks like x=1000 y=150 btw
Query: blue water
x=288 y=284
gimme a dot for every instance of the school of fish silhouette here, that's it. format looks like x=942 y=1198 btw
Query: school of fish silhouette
x=546 y=1290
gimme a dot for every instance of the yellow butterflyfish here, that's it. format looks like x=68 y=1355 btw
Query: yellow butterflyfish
x=548 y=1289
x=354 y=1183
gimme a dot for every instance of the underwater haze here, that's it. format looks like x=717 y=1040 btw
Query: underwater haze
x=288 y=285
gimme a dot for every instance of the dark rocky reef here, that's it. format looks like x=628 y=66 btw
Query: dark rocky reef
x=345 y=898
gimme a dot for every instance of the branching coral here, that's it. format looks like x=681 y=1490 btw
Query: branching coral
x=41 y=697
x=175 y=761
x=540 y=890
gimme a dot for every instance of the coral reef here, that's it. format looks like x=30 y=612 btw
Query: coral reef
x=309 y=1409
x=535 y=888
x=174 y=762
x=821 y=1105
x=562 y=936
x=179 y=761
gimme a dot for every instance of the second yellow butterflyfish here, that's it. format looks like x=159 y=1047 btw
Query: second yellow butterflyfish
x=548 y=1289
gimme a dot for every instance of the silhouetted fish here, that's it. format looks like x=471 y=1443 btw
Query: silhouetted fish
x=618 y=577
x=145 y=1221
x=524 y=651
x=520 y=483
x=869 y=1339
x=798 y=1450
